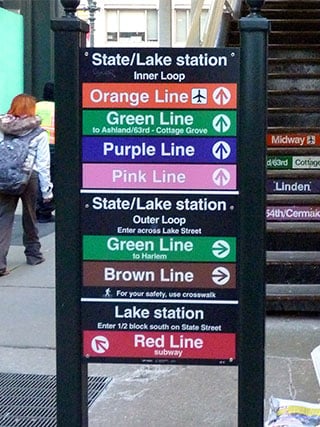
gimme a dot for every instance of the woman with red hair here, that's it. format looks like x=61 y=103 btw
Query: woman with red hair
x=20 y=120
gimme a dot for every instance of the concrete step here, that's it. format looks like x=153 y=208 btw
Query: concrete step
x=290 y=13
x=293 y=297
x=294 y=51
x=293 y=118
x=300 y=99
x=291 y=4
x=292 y=267
x=293 y=129
x=295 y=25
x=297 y=66
x=283 y=37
x=292 y=82
x=284 y=24
x=293 y=37
x=292 y=273
x=292 y=240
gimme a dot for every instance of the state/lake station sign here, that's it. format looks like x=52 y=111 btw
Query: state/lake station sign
x=159 y=205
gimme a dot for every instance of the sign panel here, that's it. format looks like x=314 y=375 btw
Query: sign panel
x=159 y=177
x=112 y=149
x=293 y=186
x=293 y=140
x=293 y=213
x=167 y=275
x=159 y=122
x=158 y=213
x=149 y=347
x=155 y=95
x=293 y=162
x=159 y=203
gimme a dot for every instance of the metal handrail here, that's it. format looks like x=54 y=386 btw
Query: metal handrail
x=215 y=21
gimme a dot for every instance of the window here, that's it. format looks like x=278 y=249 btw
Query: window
x=182 y=25
x=130 y=27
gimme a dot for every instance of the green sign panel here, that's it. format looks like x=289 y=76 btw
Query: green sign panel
x=160 y=122
x=293 y=162
x=279 y=162
x=143 y=248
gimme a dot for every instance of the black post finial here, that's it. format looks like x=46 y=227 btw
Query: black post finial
x=255 y=6
x=70 y=7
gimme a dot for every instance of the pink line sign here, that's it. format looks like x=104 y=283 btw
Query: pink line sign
x=159 y=176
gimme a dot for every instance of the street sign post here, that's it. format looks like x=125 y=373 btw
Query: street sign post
x=156 y=212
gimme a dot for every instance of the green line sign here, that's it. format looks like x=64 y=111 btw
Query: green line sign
x=160 y=122
x=156 y=248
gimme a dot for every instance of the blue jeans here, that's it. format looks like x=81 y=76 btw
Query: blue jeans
x=30 y=238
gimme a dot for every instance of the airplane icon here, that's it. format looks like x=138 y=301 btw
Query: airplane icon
x=199 y=96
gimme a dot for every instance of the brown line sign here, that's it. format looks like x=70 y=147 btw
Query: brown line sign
x=177 y=275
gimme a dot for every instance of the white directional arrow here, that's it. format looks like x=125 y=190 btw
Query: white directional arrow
x=221 y=150
x=221 y=96
x=221 y=249
x=100 y=344
x=221 y=177
x=220 y=276
x=221 y=123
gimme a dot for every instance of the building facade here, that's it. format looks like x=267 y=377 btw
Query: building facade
x=145 y=23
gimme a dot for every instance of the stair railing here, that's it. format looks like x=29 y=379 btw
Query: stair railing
x=219 y=13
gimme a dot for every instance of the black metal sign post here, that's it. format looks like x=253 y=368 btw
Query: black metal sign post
x=72 y=376
x=72 y=402
x=252 y=163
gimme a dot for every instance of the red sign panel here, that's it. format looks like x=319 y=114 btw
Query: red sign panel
x=164 y=345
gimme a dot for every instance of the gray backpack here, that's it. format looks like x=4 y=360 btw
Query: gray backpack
x=17 y=157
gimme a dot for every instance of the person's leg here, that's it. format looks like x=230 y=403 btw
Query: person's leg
x=8 y=206
x=29 y=222
x=44 y=211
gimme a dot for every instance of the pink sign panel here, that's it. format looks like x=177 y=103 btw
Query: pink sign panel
x=159 y=176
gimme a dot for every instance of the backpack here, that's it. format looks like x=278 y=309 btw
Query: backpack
x=17 y=157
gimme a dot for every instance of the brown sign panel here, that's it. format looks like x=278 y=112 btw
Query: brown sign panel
x=157 y=274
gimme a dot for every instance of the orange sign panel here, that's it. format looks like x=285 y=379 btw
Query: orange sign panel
x=160 y=95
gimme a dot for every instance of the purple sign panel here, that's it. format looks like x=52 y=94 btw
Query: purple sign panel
x=113 y=149
x=293 y=213
x=293 y=186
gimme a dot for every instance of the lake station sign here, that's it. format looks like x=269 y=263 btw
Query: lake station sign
x=159 y=205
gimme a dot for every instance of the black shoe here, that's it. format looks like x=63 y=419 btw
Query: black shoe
x=34 y=260
x=43 y=220
x=4 y=272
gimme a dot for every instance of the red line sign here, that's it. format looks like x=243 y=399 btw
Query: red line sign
x=163 y=345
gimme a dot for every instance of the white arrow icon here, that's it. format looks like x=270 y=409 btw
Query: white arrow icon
x=100 y=344
x=221 y=96
x=220 y=276
x=221 y=150
x=221 y=123
x=221 y=177
x=221 y=249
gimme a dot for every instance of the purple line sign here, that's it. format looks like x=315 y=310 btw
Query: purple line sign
x=129 y=149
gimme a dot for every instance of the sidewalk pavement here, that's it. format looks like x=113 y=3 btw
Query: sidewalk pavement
x=140 y=395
